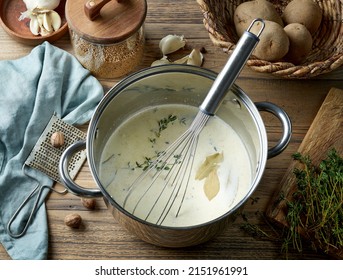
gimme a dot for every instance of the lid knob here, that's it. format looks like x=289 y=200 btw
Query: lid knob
x=105 y=21
x=93 y=7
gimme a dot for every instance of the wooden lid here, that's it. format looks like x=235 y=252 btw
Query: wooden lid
x=113 y=21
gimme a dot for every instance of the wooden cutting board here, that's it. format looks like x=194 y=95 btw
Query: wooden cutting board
x=325 y=132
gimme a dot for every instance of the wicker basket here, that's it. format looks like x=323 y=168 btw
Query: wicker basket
x=325 y=56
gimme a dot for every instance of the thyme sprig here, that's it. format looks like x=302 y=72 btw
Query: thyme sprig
x=315 y=210
x=148 y=161
x=163 y=123
x=316 y=207
x=159 y=165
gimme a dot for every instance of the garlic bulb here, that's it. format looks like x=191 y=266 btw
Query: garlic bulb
x=41 y=4
x=43 y=19
x=171 y=43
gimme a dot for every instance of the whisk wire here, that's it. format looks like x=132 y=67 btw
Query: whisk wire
x=181 y=184
x=203 y=118
x=190 y=167
x=176 y=184
x=177 y=160
x=170 y=176
x=163 y=157
x=186 y=166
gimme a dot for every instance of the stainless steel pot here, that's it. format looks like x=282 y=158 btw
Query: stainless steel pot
x=174 y=84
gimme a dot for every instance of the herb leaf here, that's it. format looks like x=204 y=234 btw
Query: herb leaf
x=163 y=123
x=212 y=185
x=208 y=171
x=211 y=163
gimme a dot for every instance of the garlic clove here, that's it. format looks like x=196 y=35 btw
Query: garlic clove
x=43 y=32
x=162 y=61
x=195 y=58
x=55 y=20
x=40 y=20
x=182 y=60
x=47 y=22
x=34 y=26
x=171 y=43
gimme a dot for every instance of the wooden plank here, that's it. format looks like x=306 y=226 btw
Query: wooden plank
x=324 y=134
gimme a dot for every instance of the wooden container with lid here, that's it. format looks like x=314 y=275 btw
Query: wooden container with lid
x=107 y=35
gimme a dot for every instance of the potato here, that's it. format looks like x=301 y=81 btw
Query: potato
x=274 y=42
x=300 y=42
x=306 y=12
x=246 y=12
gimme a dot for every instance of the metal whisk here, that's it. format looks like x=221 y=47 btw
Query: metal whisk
x=172 y=169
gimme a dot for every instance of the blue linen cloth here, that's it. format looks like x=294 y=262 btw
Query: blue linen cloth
x=32 y=88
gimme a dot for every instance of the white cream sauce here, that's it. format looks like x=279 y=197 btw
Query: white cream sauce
x=137 y=139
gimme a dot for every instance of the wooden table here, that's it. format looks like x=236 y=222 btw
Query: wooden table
x=101 y=237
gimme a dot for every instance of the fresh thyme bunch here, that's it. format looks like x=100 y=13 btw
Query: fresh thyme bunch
x=316 y=209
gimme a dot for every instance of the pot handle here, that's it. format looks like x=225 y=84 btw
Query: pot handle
x=64 y=174
x=286 y=126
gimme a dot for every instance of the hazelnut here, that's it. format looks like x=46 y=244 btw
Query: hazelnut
x=73 y=220
x=89 y=203
x=57 y=139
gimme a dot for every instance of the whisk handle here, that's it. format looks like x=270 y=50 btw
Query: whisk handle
x=231 y=70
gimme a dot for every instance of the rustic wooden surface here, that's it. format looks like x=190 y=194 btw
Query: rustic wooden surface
x=322 y=136
x=101 y=237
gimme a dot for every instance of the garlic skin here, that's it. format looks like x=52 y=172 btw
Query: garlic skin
x=171 y=43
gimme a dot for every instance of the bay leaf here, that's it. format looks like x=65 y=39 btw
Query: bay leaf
x=212 y=185
x=210 y=164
